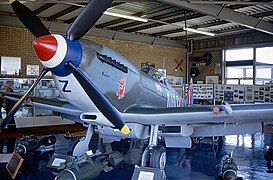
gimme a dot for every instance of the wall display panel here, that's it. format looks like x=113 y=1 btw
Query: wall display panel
x=10 y=65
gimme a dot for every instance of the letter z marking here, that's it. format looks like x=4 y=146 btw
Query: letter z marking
x=65 y=85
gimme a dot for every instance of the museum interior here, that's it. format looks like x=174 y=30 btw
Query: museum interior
x=136 y=89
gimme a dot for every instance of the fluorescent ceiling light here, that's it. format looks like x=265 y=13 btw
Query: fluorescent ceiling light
x=126 y=16
x=200 y=32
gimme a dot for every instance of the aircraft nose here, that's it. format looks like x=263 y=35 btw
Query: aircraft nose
x=45 y=47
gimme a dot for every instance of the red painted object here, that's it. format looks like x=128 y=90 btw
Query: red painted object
x=45 y=47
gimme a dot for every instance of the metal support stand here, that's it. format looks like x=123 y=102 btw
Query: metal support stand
x=83 y=144
x=152 y=143
x=153 y=159
x=153 y=136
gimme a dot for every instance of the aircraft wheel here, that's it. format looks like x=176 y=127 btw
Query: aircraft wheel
x=158 y=157
x=145 y=158
x=230 y=175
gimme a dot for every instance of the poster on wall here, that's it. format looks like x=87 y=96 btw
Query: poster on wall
x=170 y=80
x=178 y=81
x=32 y=70
x=217 y=69
x=10 y=65
x=212 y=79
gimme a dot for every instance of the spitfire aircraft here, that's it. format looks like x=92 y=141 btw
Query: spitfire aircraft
x=103 y=89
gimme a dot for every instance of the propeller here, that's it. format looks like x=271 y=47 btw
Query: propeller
x=88 y=17
x=22 y=99
x=105 y=107
x=62 y=55
x=29 y=19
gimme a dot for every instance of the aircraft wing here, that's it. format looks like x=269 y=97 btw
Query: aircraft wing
x=190 y=116
x=63 y=107
x=198 y=115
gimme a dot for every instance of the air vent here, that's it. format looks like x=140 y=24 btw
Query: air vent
x=112 y=62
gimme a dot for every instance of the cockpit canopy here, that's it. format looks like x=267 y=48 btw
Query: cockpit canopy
x=151 y=71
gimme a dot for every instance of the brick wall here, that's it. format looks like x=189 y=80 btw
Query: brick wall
x=17 y=42
x=208 y=70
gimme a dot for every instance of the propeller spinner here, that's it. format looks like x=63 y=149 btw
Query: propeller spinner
x=62 y=55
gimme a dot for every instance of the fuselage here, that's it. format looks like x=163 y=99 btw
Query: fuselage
x=118 y=79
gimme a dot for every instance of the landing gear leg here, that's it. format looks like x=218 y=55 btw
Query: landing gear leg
x=154 y=155
x=83 y=145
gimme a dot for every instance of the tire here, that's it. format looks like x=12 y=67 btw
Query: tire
x=230 y=175
x=158 y=157
x=207 y=58
x=194 y=71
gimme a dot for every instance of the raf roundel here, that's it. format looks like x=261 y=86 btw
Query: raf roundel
x=216 y=110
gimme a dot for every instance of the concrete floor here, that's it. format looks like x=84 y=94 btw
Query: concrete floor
x=198 y=163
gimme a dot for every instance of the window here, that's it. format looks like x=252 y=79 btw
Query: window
x=263 y=73
x=264 y=61
x=249 y=72
x=246 y=81
x=239 y=54
x=232 y=81
x=233 y=72
x=240 y=65
x=264 y=55
x=10 y=65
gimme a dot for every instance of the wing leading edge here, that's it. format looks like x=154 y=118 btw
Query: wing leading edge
x=204 y=114
x=191 y=116
x=63 y=107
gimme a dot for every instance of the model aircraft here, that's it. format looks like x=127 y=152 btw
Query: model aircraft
x=103 y=89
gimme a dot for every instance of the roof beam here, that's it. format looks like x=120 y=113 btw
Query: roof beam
x=220 y=33
x=150 y=11
x=61 y=27
x=217 y=23
x=168 y=32
x=71 y=20
x=63 y=12
x=43 y=8
x=166 y=15
x=227 y=14
x=194 y=27
x=230 y=2
x=183 y=18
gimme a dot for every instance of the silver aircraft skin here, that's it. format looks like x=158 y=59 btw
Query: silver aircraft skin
x=124 y=90
x=104 y=89
x=143 y=98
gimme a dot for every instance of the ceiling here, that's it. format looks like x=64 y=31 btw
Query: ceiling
x=167 y=19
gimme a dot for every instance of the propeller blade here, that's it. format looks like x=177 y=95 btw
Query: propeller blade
x=105 y=107
x=23 y=98
x=87 y=18
x=30 y=20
